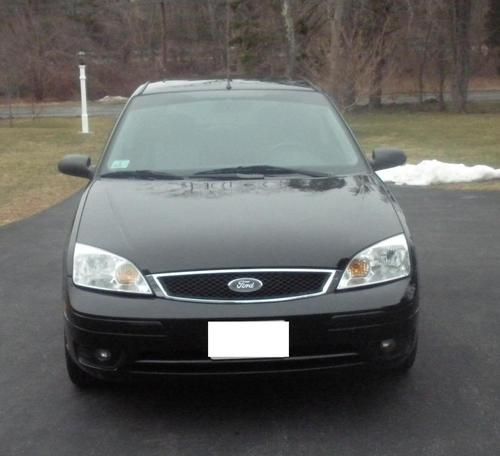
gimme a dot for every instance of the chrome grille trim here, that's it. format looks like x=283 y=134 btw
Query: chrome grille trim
x=164 y=294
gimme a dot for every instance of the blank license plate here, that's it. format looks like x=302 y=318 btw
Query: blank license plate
x=248 y=339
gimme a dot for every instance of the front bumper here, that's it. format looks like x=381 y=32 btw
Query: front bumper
x=158 y=336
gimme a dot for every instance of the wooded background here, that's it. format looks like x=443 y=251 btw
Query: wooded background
x=351 y=48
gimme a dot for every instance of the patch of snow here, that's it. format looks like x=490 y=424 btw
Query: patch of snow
x=112 y=99
x=430 y=172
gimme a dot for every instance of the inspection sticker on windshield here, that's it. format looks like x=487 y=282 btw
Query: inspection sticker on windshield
x=120 y=164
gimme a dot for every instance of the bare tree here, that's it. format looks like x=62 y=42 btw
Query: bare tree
x=460 y=15
x=290 y=36
x=355 y=49
x=10 y=75
x=493 y=27
x=41 y=47
x=350 y=51
x=335 y=12
x=420 y=39
x=427 y=42
x=257 y=28
x=383 y=21
x=163 y=37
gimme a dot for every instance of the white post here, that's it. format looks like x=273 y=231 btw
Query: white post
x=83 y=91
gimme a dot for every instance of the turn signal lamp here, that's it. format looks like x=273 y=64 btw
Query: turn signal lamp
x=359 y=268
x=126 y=274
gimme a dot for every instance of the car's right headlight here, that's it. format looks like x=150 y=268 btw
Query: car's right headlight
x=385 y=261
x=103 y=270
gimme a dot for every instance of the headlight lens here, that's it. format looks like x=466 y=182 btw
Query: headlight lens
x=102 y=270
x=384 y=261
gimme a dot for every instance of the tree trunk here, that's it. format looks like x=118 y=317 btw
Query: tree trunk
x=460 y=22
x=423 y=64
x=441 y=60
x=420 y=78
x=290 y=37
x=227 y=42
x=9 y=101
x=376 y=84
x=37 y=86
x=335 y=11
x=442 y=81
x=212 y=19
x=382 y=10
x=163 y=39
x=349 y=98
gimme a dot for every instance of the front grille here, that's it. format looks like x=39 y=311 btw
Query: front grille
x=213 y=286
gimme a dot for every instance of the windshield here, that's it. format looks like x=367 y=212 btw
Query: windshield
x=192 y=133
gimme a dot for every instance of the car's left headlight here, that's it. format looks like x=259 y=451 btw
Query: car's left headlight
x=103 y=270
x=382 y=262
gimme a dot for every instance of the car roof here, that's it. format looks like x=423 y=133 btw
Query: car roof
x=221 y=84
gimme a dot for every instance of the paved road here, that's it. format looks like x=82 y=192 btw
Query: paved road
x=449 y=405
x=99 y=109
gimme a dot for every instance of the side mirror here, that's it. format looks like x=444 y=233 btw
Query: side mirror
x=76 y=165
x=387 y=158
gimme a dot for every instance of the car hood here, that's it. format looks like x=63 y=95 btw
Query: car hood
x=166 y=226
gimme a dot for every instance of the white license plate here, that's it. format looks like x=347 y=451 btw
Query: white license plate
x=248 y=339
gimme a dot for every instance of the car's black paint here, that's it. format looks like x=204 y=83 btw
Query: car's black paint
x=165 y=226
x=400 y=293
x=152 y=88
x=179 y=346
x=387 y=158
x=76 y=165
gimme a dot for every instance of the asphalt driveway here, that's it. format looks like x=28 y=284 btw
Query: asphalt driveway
x=448 y=405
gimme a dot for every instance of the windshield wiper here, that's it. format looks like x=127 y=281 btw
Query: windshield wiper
x=142 y=174
x=268 y=170
x=225 y=175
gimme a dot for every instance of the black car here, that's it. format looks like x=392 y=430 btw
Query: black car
x=235 y=226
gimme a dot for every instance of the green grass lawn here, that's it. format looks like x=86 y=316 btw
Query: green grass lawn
x=457 y=138
x=29 y=151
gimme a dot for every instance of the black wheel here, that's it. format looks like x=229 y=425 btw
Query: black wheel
x=79 y=377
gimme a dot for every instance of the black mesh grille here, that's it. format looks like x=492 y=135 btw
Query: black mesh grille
x=279 y=284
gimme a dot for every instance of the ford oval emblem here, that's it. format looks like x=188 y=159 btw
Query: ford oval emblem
x=245 y=285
